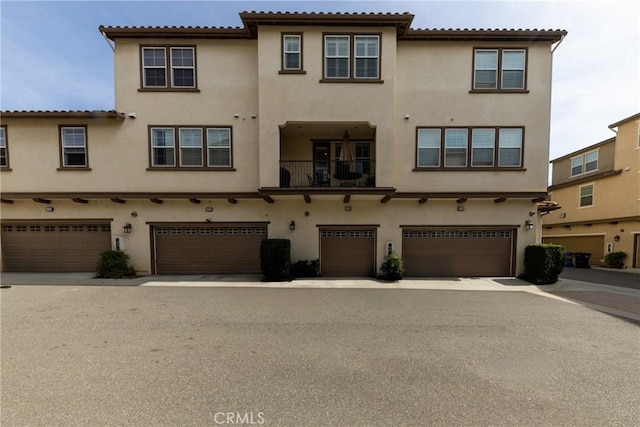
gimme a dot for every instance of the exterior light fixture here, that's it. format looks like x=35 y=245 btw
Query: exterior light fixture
x=127 y=228
x=616 y=238
x=528 y=225
x=292 y=225
x=208 y=209
x=49 y=209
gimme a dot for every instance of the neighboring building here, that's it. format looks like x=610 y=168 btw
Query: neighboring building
x=598 y=188
x=349 y=134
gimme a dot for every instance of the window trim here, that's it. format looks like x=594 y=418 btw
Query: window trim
x=352 y=59
x=580 y=196
x=469 y=151
x=177 y=166
x=64 y=167
x=6 y=167
x=500 y=70
x=168 y=69
x=583 y=165
x=284 y=70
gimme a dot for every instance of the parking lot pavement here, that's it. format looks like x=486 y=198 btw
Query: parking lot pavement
x=628 y=278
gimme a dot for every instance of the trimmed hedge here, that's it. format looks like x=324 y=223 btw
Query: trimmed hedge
x=615 y=259
x=306 y=268
x=275 y=259
x=114 y=265
x=543 y=263
x=392 y=267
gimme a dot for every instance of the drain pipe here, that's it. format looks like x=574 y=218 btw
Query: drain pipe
x=558 y=44
x=112 y=46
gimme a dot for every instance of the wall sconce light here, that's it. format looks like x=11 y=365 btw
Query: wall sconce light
x=528 y=225
x=127 y=228
x=134 y=214
x=49 y=209
x=292 y=225
x=347 y=208
x=208 y=209
x=460 y=208
x=407 y=117
x=616 y=238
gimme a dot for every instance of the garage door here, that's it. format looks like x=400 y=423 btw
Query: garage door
x=229 y=248
x=347 y=252
x=47 y=247
x=458 y=252
x=590 y=244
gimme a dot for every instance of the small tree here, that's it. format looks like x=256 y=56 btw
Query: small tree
x=275 y=259
x=114 y=265
x=392 y=267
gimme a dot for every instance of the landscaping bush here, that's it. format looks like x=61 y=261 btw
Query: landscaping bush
x=543 y=263
x=114 y=265
x=275 y=259
x=306 y=268
x=392 y=267
x=615 y=259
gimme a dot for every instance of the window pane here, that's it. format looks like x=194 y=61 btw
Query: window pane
x=513 y=62
x=337 y=46
x=3 y=157
x=510 y=151
x=164 y=157
x=153 y=57
x=183 y=77
x=219 y=157
x=482 y=147
x=291 y=43
x=512 y=79
x=586 y=195
x=72 y=137
x=337 y=67
x=74 y=157
x=3 y=141
x=190 y=147
x=292 y=61
x=429 y=147
x=162 y=138
x=366 y=46
x=455 y=147
x=163 y=143
x=367 y=67
x=218 y=137
x=485 y=67
x=190 y=137
x=591 y=161
x=182 y=57
x=576 y=166
x=155 y=77
x=191 y=156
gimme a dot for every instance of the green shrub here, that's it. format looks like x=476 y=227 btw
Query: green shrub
x=543 y=263
x=114 y=265
x=392 y=267
x=306 y=268
x=275 y=259
x=615 y=259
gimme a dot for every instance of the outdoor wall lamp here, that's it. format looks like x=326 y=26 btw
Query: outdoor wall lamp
x=49 y=209
x=292 y=225
x=127 y=228
x=616 y=238
x=528 y=225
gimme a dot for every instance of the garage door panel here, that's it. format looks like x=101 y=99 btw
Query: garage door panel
x=468 y=252
x=347 y=252
x=208 y=250
x=47 y=247
x=593 y=245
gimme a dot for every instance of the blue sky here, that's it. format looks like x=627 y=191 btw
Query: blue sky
x=54 y=58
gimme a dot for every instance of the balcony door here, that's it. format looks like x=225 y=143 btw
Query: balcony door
x=321 y=161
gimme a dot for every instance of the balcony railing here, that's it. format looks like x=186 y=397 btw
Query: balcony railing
x=322 y=174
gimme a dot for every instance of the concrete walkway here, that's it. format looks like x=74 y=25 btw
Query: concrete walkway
x=620 y=301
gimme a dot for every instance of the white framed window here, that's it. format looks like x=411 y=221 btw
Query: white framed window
x=163 y=151
x=366 y=57
x=190 y=147
x=219 y=147
x=154 y=67
x=336 y=57
x=291 y=52
x=483 y=143
x=73 y=144
x=455 y=147
x=586 y=195
x=499 y=69
x=587 y=162
x=4 y=153
x=510 y=147
x=168 y=67
x=429 y=147
x=183 y=67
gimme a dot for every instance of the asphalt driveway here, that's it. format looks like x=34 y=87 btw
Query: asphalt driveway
x=195 y=356
x=610 y=277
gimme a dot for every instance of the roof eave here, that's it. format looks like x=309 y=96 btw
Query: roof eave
x=549 y=36
x=96 y=114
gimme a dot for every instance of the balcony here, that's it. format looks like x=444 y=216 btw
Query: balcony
x=327 y=174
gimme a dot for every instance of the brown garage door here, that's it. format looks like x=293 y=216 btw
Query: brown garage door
x=457 y=252
x=347 y=252
x=229 y=248
x=47 y=247
x=590 y=244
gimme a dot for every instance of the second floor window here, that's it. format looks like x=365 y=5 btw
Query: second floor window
x=499 y=69
x=190 y=147
x=469 y=148
x=586 y=195
x=4 y=154
x=73 y=144
x=352 y=57
x=168 y=67
x=291 y=52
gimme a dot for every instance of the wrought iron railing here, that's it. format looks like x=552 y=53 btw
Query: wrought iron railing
x=319 y=174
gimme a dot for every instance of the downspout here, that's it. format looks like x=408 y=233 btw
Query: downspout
x=558 y=44
x=113 y=48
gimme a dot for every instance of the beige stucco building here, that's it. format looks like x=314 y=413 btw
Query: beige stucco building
x=350 y=134
x=598 y=188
